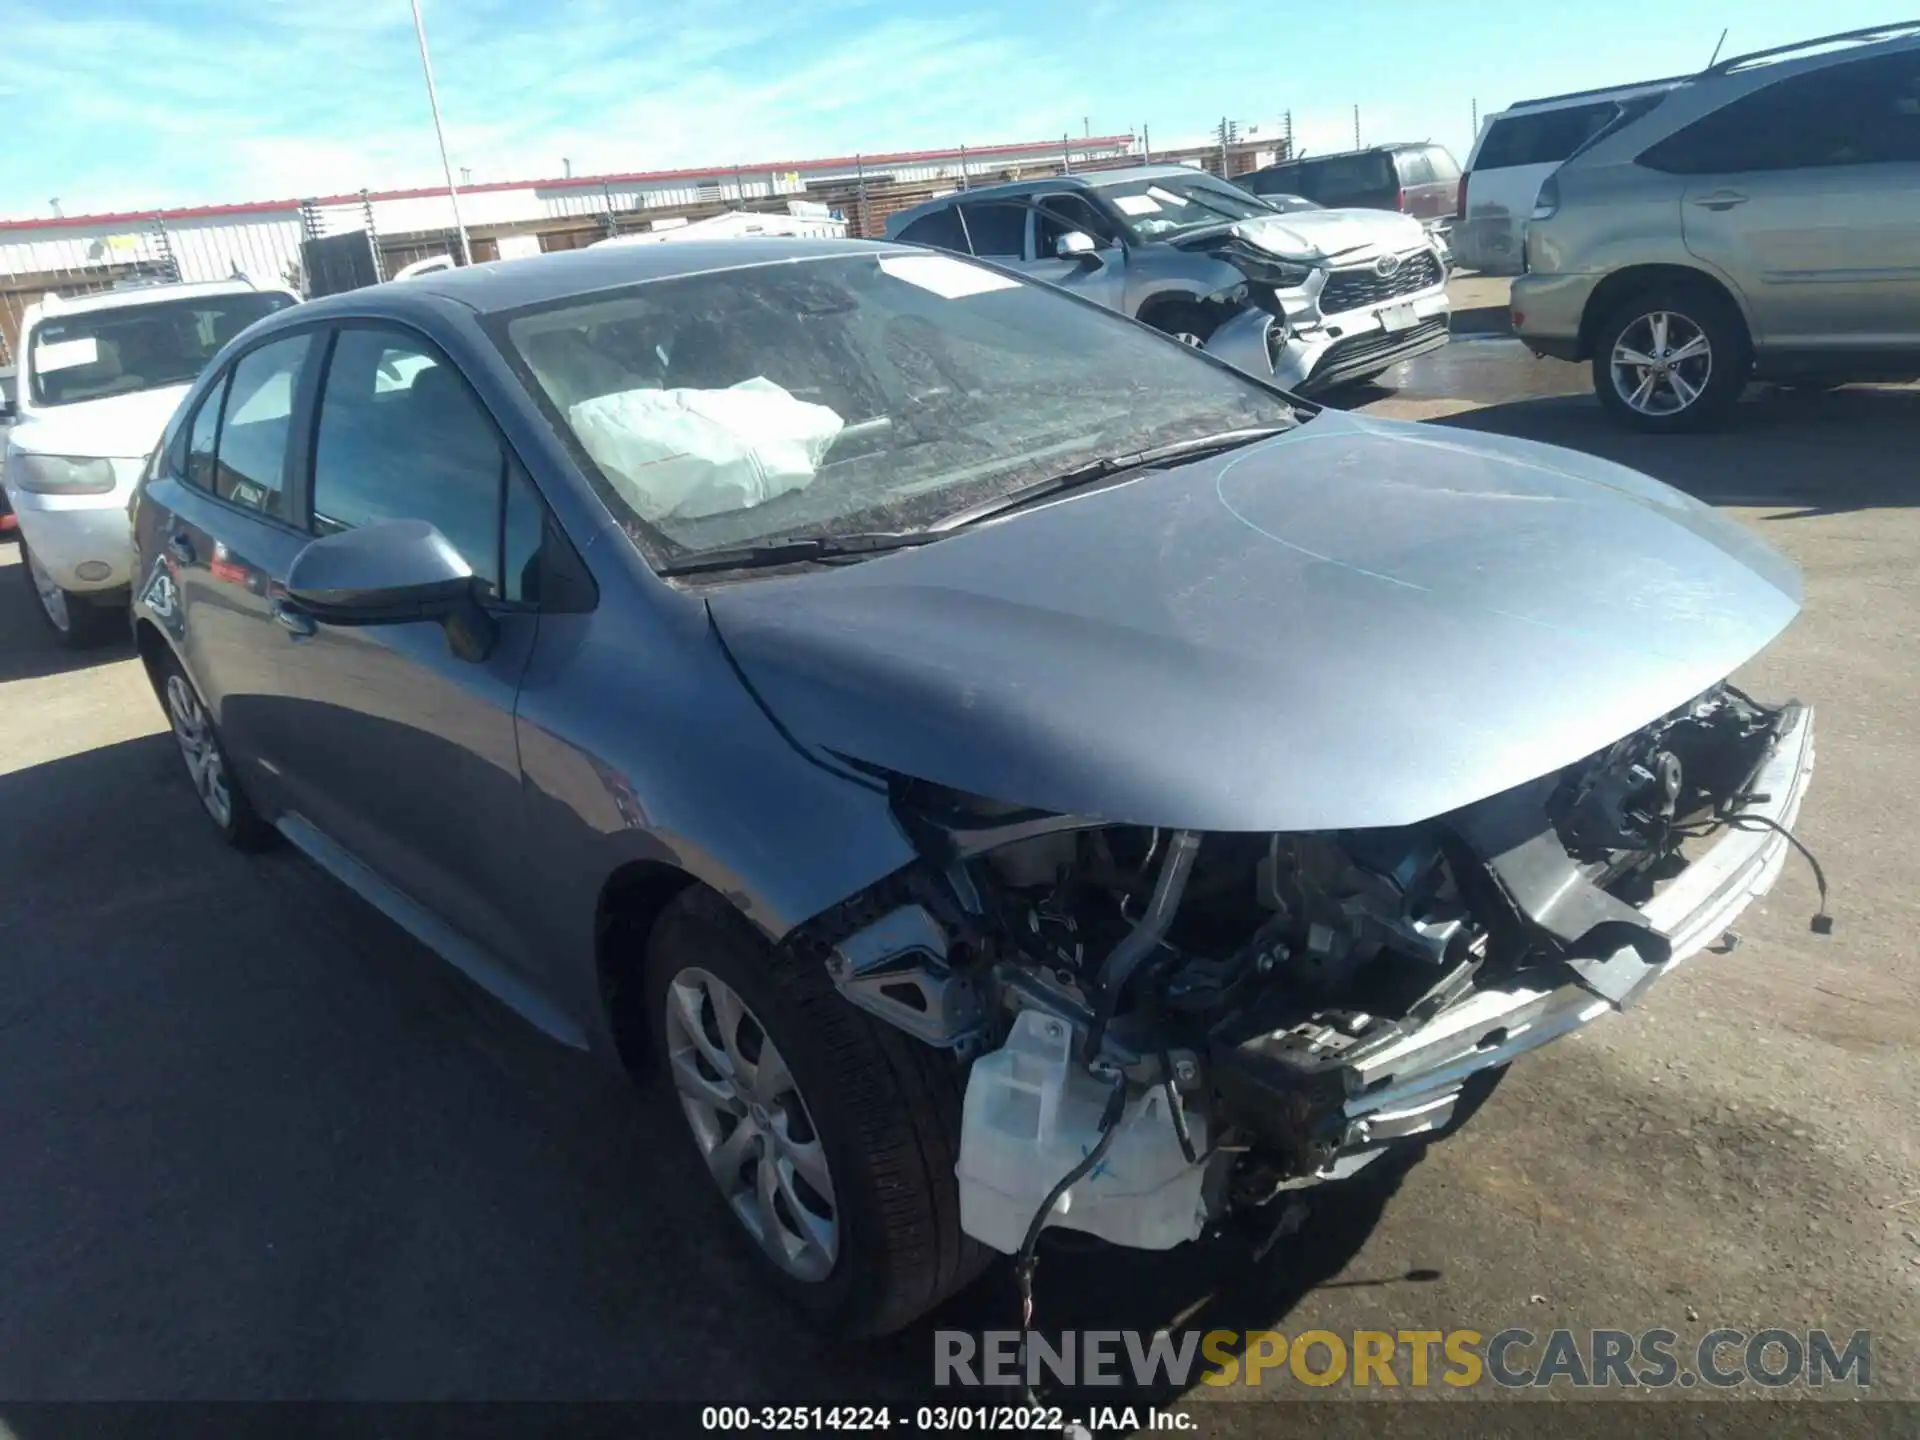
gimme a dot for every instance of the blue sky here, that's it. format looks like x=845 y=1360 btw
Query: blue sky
x=119 y=104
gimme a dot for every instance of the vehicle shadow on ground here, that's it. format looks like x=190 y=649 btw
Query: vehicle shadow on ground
x=27 y=647
x=1243 y=1277
x=1482 y=320
x=265 y=1146
x=1808 y=452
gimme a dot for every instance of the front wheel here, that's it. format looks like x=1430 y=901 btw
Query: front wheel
x=1189 y=324
x=1670 y=360
x=76 y=621
x=829 y=1137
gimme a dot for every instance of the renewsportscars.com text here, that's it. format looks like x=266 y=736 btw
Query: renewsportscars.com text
x=1513 y=1358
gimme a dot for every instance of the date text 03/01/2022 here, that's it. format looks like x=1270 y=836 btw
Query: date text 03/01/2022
x=941 y=1419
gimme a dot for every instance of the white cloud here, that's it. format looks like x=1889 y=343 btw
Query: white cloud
x=284 y=99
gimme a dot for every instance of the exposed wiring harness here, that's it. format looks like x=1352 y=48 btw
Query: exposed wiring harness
x=1729 y=817
x=1029 y=1258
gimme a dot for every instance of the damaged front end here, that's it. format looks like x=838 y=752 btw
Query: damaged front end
x=1251 y=1013
x=1318 y=314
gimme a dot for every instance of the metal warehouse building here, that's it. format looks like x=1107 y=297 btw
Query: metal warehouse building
x=279 y=241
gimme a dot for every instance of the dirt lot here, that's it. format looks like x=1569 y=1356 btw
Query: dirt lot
x=258 y=1144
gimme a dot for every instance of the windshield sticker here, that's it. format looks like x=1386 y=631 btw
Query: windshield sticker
x=949 y=279
x=1137 y=204
x=66 y=354
x=1166 y=197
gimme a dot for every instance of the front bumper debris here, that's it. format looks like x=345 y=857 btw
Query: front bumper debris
x=1410 y=1087
x=1319 y=353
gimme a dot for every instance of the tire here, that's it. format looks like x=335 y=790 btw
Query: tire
x=882 y=1110
x=75 y=620
x=208 y=769
x=1678 y=393
x=1189 y=324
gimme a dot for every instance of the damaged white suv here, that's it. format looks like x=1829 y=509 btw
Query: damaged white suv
x=1304 y=297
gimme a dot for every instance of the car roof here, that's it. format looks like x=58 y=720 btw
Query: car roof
x=1392 y=145
x=1848 y=42
x=1073 y=180
x=510 y=284
x=149 y=294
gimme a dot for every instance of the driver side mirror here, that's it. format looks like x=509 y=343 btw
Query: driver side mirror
x=1076 y=245
x=392 y=573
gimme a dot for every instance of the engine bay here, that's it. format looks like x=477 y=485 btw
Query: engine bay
x=1232 y=984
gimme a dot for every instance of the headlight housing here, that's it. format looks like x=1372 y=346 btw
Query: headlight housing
x=59 y=474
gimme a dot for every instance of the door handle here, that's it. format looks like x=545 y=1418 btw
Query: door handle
x=292 y=619
x=181 y=548
x=1721 y=200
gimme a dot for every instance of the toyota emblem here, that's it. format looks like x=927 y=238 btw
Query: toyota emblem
x=1387 y=266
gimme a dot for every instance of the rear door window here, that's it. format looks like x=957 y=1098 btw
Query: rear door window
x=941 y=230
x=255 y=422
x=998 y=230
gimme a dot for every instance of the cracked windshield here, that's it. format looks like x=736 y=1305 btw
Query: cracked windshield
x=856 y=394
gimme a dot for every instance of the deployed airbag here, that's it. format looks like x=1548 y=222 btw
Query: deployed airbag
x=688 y=453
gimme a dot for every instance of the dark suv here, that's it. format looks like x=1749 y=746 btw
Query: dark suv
x=1418 y=180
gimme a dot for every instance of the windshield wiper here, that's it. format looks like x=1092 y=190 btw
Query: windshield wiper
x=795 y=550
x=1196 y=448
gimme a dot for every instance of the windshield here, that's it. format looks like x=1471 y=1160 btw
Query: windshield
x=1174 y=204
x=852 y=394
x=1289 y=204
x=98 y=353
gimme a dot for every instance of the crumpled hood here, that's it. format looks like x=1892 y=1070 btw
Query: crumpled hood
x=124 y=426
x=1320 y=234
x=1358 y=623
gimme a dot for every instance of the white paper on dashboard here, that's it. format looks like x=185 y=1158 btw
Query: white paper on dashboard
x=949 y=279
x=66 y=354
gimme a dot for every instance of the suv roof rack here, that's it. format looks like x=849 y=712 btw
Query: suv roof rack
x=1866 y=36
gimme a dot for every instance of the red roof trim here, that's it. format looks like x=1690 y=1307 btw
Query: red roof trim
x=577 y=182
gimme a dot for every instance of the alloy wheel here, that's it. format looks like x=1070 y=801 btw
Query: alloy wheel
x=194 y=733
x=1661 y=363
x=751 y=1124
x=53 y=600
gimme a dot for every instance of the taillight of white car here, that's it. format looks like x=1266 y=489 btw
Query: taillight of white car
x=59 y=474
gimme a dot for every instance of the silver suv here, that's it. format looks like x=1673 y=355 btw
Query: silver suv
x=1762 y=222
